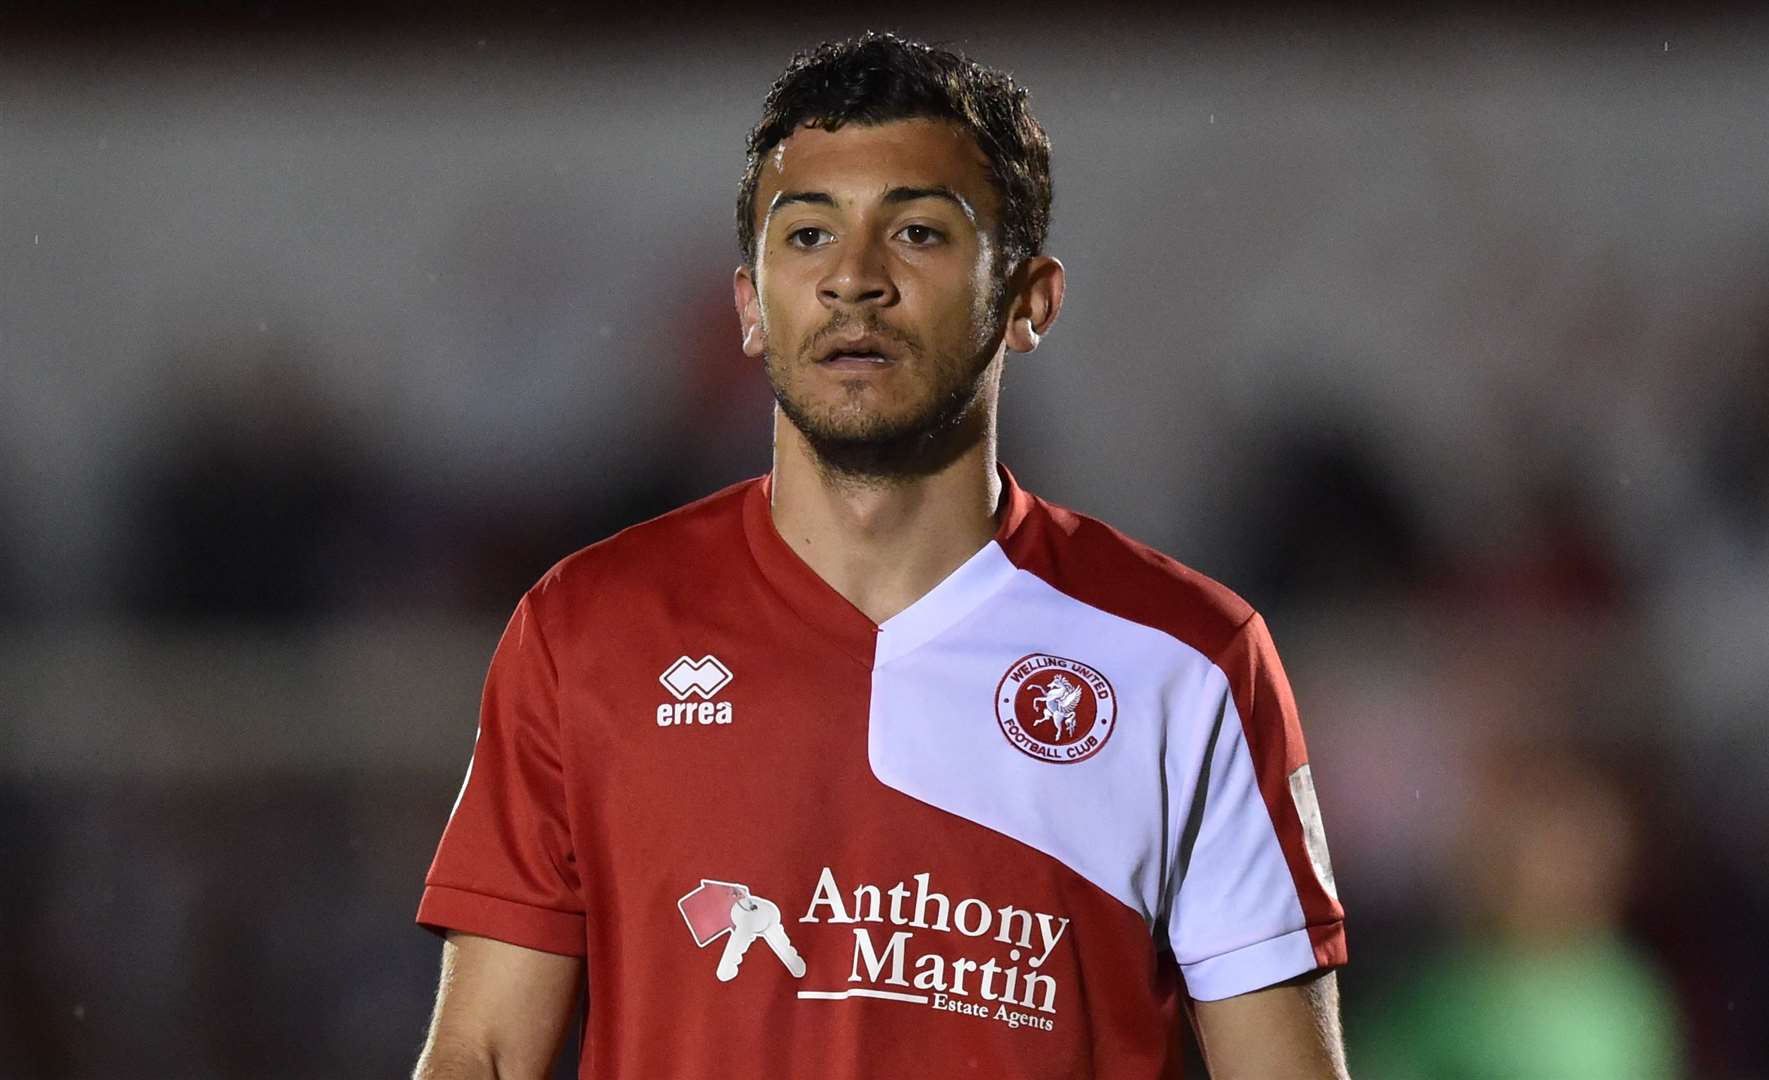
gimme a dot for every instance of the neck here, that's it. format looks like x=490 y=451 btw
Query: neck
x=883 y=541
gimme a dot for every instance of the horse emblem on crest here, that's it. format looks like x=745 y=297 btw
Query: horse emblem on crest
x=1057 y=704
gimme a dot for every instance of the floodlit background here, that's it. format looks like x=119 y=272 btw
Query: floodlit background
x=1444 y=341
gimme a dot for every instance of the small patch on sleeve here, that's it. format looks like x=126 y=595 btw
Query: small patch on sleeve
x=1314 y=834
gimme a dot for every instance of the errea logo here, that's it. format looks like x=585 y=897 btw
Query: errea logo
x=694 y=678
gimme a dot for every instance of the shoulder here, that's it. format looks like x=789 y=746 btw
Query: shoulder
x=1094 y=563
x=642 y=559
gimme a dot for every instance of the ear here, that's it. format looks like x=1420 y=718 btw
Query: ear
x=749 y=311
x=1038 y=297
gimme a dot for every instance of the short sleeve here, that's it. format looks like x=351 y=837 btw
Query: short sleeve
x=1255 y=902
x=505 y=868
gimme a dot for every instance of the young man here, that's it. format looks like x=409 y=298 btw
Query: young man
x=880 y=766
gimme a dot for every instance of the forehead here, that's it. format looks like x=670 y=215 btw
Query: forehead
x=859 y=163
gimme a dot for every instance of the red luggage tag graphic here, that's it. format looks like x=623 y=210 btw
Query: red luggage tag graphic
x=707 y=910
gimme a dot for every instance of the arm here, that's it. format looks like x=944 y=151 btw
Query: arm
x=1285 y=1032
x=500 y=1013
x=504 y=886
x=1255 y=921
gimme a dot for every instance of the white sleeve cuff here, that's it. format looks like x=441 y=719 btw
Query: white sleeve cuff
x=1251 y=967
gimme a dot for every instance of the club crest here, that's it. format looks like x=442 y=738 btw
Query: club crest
x=1055 y=709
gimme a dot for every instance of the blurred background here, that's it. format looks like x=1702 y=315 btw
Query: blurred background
x=324 y=332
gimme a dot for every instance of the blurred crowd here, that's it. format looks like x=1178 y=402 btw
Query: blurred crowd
x=1490 y=449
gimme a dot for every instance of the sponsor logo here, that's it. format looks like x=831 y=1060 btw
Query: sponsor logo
x=713 y=909
x=912 y=944
x=917 y=945
x=1055 y=709
x=701 y=679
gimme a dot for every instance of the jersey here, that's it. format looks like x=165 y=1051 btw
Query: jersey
x=1002 y=833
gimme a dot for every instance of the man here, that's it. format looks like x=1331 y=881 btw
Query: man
x=879 y=766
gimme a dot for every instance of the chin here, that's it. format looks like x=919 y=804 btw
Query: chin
x=858 y=418
x=857 y=430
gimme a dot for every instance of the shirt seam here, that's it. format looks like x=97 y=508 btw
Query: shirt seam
x=502 y=899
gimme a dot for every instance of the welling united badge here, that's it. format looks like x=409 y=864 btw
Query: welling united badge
x=1055 y=709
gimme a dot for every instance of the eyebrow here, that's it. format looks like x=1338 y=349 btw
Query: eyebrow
x=893 y=197
x=911 y=194
x=786 y=198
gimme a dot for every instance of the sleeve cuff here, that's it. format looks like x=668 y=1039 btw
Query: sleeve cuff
x=1265 y=963
x=443 y=908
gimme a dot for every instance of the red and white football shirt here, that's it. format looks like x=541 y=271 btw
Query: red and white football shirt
x=1005 y=831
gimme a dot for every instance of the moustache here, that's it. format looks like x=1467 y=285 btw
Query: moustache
x=842 y=324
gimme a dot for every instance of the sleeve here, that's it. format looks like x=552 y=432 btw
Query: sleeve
x=505 y=868
x=1255 y=901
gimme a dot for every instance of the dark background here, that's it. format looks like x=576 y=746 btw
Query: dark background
x=324 y=331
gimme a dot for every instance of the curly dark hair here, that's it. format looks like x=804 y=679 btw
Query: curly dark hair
x=877 y=78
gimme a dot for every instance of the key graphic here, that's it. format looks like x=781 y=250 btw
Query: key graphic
x=775 y=936
x=749 y=918
x=721 y=907
x=754 y=917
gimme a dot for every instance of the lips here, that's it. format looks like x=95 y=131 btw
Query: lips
x=864 y=349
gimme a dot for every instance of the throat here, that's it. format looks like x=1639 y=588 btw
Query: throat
x=882 y=547
x=885 y=582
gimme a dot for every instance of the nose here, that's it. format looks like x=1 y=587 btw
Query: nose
x=860 y=274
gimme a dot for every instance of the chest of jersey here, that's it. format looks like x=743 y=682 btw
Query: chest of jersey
x=992 y=836
x=971 y=829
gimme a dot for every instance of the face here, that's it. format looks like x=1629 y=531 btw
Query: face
x=873 y=301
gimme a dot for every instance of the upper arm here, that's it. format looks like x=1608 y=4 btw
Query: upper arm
x=500 y=1007
x=1285 y=1032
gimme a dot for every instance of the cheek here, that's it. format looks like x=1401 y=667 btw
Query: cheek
x=956 y=305
x=779 y=300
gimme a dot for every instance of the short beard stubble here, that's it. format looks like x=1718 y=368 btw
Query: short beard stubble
x=877 y=451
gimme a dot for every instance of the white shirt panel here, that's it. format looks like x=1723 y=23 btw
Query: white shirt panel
x=1121 y=818
x=935 y=736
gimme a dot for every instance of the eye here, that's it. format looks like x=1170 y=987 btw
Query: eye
x=920 y=235
x=808 y=237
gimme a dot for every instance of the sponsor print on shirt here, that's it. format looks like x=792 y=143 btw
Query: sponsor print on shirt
x=715 y=908
x=1055 y=709
x=911 y=944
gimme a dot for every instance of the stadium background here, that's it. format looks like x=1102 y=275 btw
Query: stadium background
x=1443 y=340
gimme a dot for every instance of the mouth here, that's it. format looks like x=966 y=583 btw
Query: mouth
x=858 y=353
